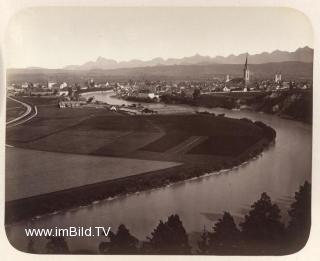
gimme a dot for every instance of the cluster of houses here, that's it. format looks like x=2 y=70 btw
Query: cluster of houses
x=152 y=91
x=53 y=88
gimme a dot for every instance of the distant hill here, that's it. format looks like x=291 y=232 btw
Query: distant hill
x=289 y=70
x=300 y=55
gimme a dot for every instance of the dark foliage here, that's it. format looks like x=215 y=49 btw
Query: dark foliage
x=30 y=246
x=300 y=109
x=269 y=132
x=225 y=237
x=196 y=93
x=263 y=221
x=262 y=232
x=57 y=245
x=203 y=243
x=169 y=237
x=120 y=243
x=300 y=222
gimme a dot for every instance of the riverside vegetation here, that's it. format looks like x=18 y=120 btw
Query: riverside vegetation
x=260 y=233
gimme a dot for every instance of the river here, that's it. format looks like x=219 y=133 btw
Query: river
x=279 y=171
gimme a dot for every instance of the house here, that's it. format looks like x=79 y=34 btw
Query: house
x=10 y=87
x=226 y=89
x=63 y=85
x=25 y=85
x=51 y=85
x=113 y=108
x=129 y=111
x=40 y=92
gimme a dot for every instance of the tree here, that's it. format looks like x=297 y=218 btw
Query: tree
x=226 y=235
x=170 y=237
x=78 y=87
x=70 y=92
x=30 y=246
x=263 y=222
x=120 y=243
x=203 y=243
x=57 y=245
x=300 y=214
x=196 y=93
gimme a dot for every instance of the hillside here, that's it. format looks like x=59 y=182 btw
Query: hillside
x=289 y=70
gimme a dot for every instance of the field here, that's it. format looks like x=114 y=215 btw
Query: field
x=167 y=141
x=46 y=172
x=14 y=110
x=100 y=132
x=224 y=145
x=69 y=157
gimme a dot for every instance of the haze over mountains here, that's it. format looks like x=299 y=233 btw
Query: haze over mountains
x=304 y=54
x=295 y=65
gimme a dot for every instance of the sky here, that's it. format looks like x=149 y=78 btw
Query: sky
x=54 y=37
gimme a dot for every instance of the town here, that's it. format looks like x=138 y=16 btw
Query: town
x=152 y=91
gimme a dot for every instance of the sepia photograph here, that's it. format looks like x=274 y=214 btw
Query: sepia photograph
x=158 y=130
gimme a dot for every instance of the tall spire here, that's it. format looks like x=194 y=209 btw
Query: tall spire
x=246 y=64
x=246 y=73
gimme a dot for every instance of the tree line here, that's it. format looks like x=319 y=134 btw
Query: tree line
x=262 y=232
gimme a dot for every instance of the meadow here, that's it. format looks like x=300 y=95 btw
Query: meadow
x=68 y=157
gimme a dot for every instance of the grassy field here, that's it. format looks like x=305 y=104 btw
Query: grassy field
x=100 y=132
x=73 y=156
x=224 y=145
x=45 y=100
x=14 y=110
x=31 y=172
x=167 y=141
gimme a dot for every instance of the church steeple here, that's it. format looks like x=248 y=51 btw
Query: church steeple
x=246 y=72
x=246 y=63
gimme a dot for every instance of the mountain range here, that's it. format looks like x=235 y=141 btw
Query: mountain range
x=304 y=54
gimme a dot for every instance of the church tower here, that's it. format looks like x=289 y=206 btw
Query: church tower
x=228 y=78
x=277 y=77
x=246 y=73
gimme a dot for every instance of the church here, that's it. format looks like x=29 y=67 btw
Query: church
x=246 y=74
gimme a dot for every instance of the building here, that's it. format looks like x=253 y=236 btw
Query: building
x=25 y=85
x=51 y=85
x=246 y=73
x=113 y=108
x=10 y=87
x=226 y=89
x=228 y=78
x=70 y=104
x=277 y=77
x=63 y=85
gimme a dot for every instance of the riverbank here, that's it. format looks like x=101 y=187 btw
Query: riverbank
x=293 y=104
x=290 y=104
x=26 y=208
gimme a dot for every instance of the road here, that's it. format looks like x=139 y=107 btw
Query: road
x=26 y=116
